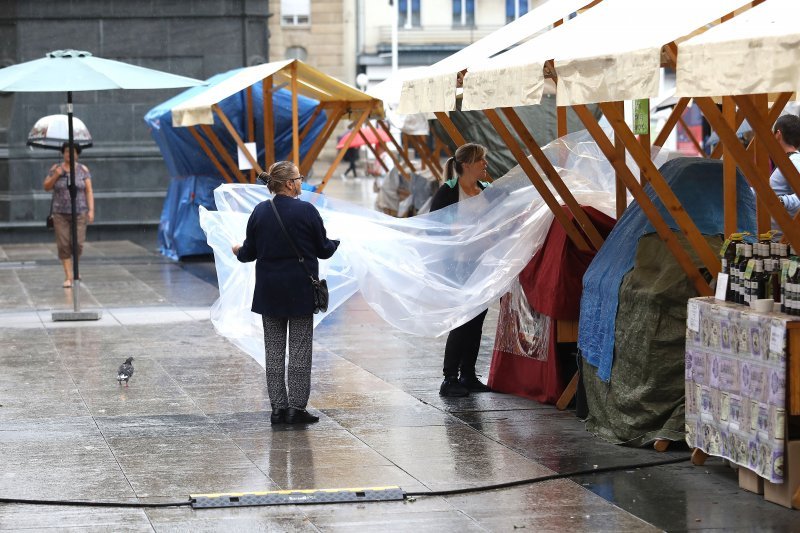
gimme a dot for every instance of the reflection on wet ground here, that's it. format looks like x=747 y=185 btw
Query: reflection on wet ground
x=195 y=419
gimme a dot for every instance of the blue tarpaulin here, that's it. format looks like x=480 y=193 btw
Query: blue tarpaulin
x=697 y=183
x=193 y=175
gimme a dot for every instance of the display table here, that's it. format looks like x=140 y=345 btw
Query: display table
x=742 y=390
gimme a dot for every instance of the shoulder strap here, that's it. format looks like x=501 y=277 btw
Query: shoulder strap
x=290 y=241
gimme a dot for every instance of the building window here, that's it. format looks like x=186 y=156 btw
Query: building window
x=295 y=12
x=408 y=14
x=515 y=9
x=464 y=13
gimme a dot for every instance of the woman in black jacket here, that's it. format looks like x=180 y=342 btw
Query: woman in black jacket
x=463 y=174
x=283 y=293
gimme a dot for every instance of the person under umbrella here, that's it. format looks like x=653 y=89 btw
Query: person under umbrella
x=57 y=180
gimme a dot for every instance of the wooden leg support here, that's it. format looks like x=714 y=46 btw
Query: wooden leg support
x=569 y=392
x=699 y=457
x=661 y=445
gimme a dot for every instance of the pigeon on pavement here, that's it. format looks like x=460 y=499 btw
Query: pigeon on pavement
x=125 y=371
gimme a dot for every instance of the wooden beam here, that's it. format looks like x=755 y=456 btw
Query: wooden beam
x=537 y=181
x=403 y=172
x=360 y=122
x=640 y=196
x=642 y=157
x=561 y=121
x=450 y=128
x=774 y=113
x=269 y=124
x=400 y=150
x=374 y=152
x=295 y=118
x=672 y=120
x=209 y=153
x=333 y=118
x=729 y=201
x=222 y=152
x=424 y=155
x=728 y=136
x=563 y=191
x=251 y=126
x=690 y=135
x=236 y=138
x=764 y=222
x=621 y=192
x=310 y=123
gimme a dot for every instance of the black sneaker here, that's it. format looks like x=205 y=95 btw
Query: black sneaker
x=300 y=416
x=278 y=415
x=452 y=388
x=473 y=384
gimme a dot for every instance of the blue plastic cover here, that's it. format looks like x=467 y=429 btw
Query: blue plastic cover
x=194 y=177
x=697 y=183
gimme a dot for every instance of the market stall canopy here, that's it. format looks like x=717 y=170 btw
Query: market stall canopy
x=310 y=83
x=436 y=91
x=612 y=52
x=753 y=53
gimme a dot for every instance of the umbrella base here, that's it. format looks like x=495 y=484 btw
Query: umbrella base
x=63 y=316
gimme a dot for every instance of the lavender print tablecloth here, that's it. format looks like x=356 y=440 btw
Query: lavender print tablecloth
x=736 y=385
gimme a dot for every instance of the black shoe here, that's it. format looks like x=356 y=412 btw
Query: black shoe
x=300 y=416
x=278 y=415
x=452 y=388
x=473 y=384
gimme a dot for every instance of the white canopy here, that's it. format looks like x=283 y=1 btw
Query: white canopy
x=755 y=52
x=436 y=90
x=612 y=52
x=311 y=82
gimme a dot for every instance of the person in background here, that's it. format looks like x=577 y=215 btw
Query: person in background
x=787 y=133
x=351 y=156
x=463 y=174
x=283 y=294
x=57 y=180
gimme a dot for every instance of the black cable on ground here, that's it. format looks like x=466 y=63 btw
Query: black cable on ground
x=540 y=479
x=482 y=488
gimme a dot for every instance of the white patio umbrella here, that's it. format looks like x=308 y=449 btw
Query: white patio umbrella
x=52 y=132
x=69 y=71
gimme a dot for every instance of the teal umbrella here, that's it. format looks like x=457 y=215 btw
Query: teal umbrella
x=73 y=70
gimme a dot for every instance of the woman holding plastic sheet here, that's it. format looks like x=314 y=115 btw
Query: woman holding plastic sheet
x=463 y=174
x=283 y=293
x=57 y=180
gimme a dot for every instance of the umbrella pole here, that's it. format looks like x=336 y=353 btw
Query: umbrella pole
x=76 y=313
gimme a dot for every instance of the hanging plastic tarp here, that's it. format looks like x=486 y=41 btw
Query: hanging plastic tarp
x=424 y=275
x=194 y=177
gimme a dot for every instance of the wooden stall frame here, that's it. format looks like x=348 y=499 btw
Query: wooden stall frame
x=213 y=158
x=222 y=152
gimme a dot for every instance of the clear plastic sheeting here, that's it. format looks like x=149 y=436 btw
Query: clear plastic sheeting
x=521 y=330
x=424 y=275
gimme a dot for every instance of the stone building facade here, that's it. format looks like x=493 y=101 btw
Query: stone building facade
x=195 y=38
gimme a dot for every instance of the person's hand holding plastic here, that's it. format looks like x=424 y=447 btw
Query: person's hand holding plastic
x=235 y=249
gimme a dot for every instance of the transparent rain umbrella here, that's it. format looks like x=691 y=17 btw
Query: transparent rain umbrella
x=73 y=70
x=52 y=132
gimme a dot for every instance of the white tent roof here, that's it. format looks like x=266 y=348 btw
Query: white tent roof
x=755 y=52
x=612 y=52
x=436 y=90
x=311 y=82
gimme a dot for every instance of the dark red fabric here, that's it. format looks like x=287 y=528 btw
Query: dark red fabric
x=553 y=282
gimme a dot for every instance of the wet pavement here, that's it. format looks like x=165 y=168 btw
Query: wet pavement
x=195 y=419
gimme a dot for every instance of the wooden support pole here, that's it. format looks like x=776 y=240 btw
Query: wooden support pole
x=621 y=192
x=764 y=222
x=728 y=136
x=537 y=181
x=295 y=118
x=450 y=128
x=269 y=124
x=222 y=152
x=672 y=120
x=774 y=112
x=360 y=122
x=642 y=157
x=403 y=172
x=374 y=152
x=236 y=138
x=330 y=124
x=251 y=126
x=563 y=191
x=692 y=138
x=640 y=196
x=214 y=161
x=400 y=150
x=561 y=121
x=310 y=123
x=729 y=200
x=424 y=155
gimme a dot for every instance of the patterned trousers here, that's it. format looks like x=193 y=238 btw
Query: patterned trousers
x=301 y=333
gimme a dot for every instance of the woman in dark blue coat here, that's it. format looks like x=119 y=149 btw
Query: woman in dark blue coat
x=283 y=294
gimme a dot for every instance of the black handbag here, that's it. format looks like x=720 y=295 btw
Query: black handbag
x=49 y=222
x=319 y=286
